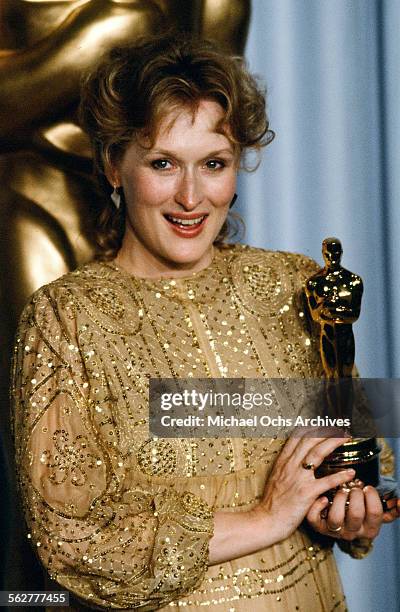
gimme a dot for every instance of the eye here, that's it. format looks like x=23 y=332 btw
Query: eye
x=215 y=164
x=161 y=164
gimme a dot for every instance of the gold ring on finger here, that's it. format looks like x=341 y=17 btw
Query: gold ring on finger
x=308 y=466
x=336 y=530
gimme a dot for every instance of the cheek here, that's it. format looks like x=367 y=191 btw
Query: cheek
x=142 y=190
x=222 y=192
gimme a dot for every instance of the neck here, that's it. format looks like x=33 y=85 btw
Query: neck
x=140 y=262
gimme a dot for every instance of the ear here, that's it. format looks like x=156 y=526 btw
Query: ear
x=113 y=175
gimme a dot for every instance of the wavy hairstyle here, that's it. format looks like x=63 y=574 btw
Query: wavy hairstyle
x=134 y=87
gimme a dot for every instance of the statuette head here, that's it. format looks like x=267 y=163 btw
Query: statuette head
x=332 y=252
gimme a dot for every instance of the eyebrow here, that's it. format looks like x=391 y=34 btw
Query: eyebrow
x=166 y=153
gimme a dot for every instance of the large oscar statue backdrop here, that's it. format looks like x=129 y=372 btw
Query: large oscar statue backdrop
x=47 y=196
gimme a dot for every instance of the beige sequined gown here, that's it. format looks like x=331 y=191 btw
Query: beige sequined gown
x=124 y=521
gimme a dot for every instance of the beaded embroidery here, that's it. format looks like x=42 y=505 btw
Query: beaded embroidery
x=122 y=520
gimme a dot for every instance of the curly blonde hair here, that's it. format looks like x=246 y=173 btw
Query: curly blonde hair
x=134 y=87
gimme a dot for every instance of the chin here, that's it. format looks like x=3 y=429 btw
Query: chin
x=186 y=259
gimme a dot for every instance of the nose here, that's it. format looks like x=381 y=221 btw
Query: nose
x=189 y=192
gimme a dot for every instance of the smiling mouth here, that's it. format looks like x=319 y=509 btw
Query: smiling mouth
x=186 y=223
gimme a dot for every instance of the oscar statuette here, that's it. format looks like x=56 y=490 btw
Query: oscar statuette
x=333 y=298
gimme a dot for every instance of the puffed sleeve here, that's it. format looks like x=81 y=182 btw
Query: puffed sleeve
x=117 y=546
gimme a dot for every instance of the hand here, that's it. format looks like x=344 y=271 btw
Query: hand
x=393 y=511
x=291 y=490
x=361 y=517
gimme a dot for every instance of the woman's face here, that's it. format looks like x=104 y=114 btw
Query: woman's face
x=177 y=194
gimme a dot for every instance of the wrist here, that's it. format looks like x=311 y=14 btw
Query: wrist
x=270 y=529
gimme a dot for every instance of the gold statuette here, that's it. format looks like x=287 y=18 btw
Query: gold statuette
x=333 y=296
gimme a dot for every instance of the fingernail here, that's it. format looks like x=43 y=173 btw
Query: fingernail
x=351 y=471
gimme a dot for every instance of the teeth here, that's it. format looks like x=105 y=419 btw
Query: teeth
x=186 y=221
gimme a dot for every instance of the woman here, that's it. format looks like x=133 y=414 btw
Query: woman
x=118 y=518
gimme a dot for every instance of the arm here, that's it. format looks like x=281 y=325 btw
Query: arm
x=43 y=81
x=289 y=492
x=107 y=541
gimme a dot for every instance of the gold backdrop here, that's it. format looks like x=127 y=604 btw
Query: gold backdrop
x=47 y=196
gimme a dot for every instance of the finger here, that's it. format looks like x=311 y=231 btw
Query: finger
x=332 y=481
x=295 y=441
x=322 y=449
x=304 y=449
x=322 y=432
x=297 y=446
x=373 y=512
x=392 y=503
x=315 y=514
x=301 y=435
x=289 y=447
x=356 y=510
x=337 y=511
x=394 y=511
x=390 y=516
